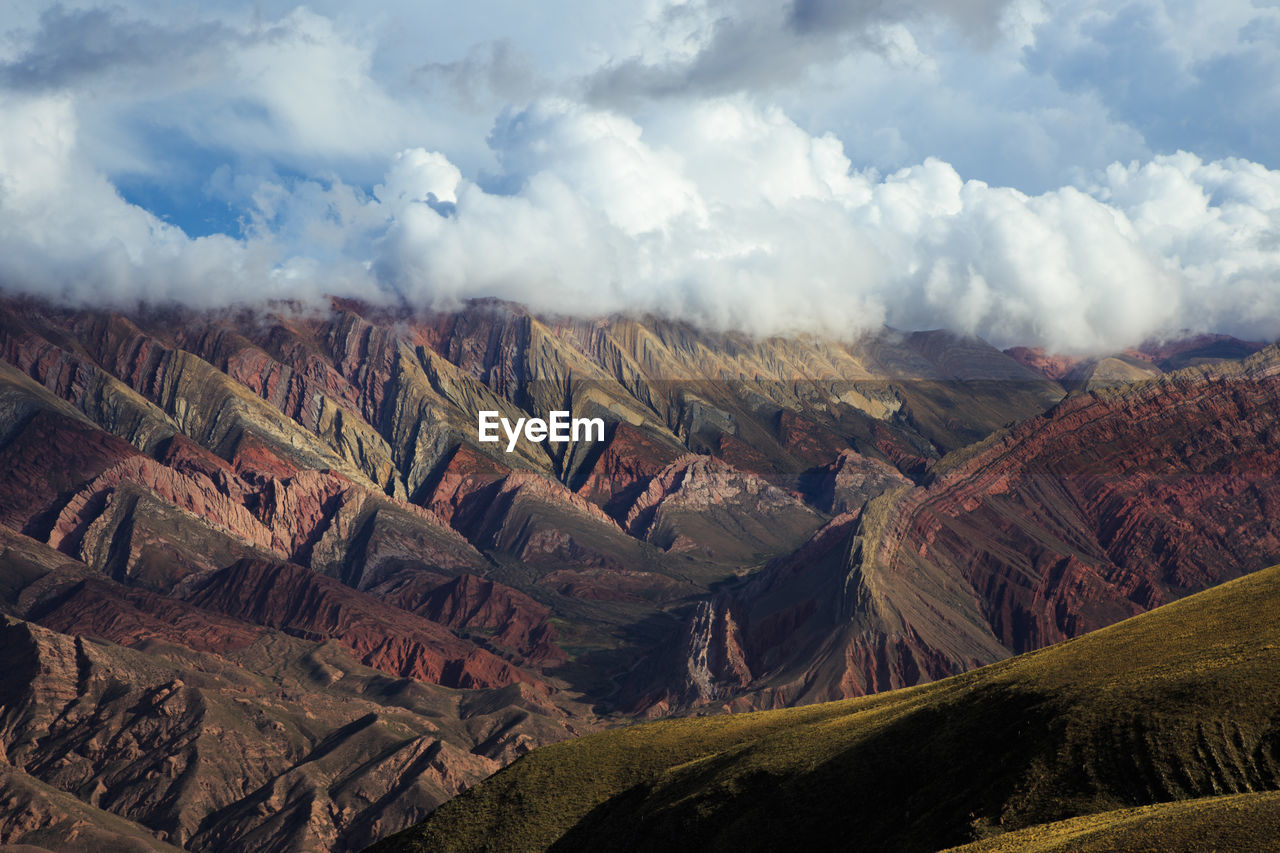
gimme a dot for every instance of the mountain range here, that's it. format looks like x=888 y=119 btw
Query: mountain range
x=265 y=588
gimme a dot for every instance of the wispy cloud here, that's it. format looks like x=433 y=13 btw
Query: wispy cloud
x=719 y=47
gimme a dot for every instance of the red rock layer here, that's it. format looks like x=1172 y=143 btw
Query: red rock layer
x=1055 y=367
x=810 y=442
x=298 y=601
x=509 y=618
x=1112 y=502
x=466 y=473
x=629 y=460
x=51 y=455
x=134 y=617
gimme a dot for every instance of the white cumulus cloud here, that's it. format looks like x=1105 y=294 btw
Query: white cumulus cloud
x=1004 y=168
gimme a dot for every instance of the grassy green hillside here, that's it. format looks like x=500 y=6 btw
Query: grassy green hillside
x=1245 y=822
x=1229 y=822
x=1176 y=704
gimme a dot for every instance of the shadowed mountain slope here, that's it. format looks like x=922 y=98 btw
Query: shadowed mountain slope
x=1172 y=705
x=50 y=821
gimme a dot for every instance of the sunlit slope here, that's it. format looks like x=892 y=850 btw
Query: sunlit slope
x=1179 y=703
x=1231 y=822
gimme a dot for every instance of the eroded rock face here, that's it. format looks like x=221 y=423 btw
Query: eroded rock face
x=539 y=522
x=466 y=474
x=625 y=466
x=716 y=663
x=700 y=502
x=37 y=818
x=851 y=480
x=215 y=733
x=204 y=762
x=1111 y=504
x=81 y=719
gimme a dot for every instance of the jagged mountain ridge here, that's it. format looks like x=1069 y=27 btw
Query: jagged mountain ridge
x=1110 y=504
x=1147 y=360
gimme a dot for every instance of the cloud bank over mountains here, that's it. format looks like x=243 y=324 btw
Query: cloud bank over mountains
x=1076 y=176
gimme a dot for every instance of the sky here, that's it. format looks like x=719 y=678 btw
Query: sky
x=1075 y=175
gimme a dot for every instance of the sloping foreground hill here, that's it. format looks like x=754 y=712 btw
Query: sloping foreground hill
x=1230 y=822
x=1179 y=703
